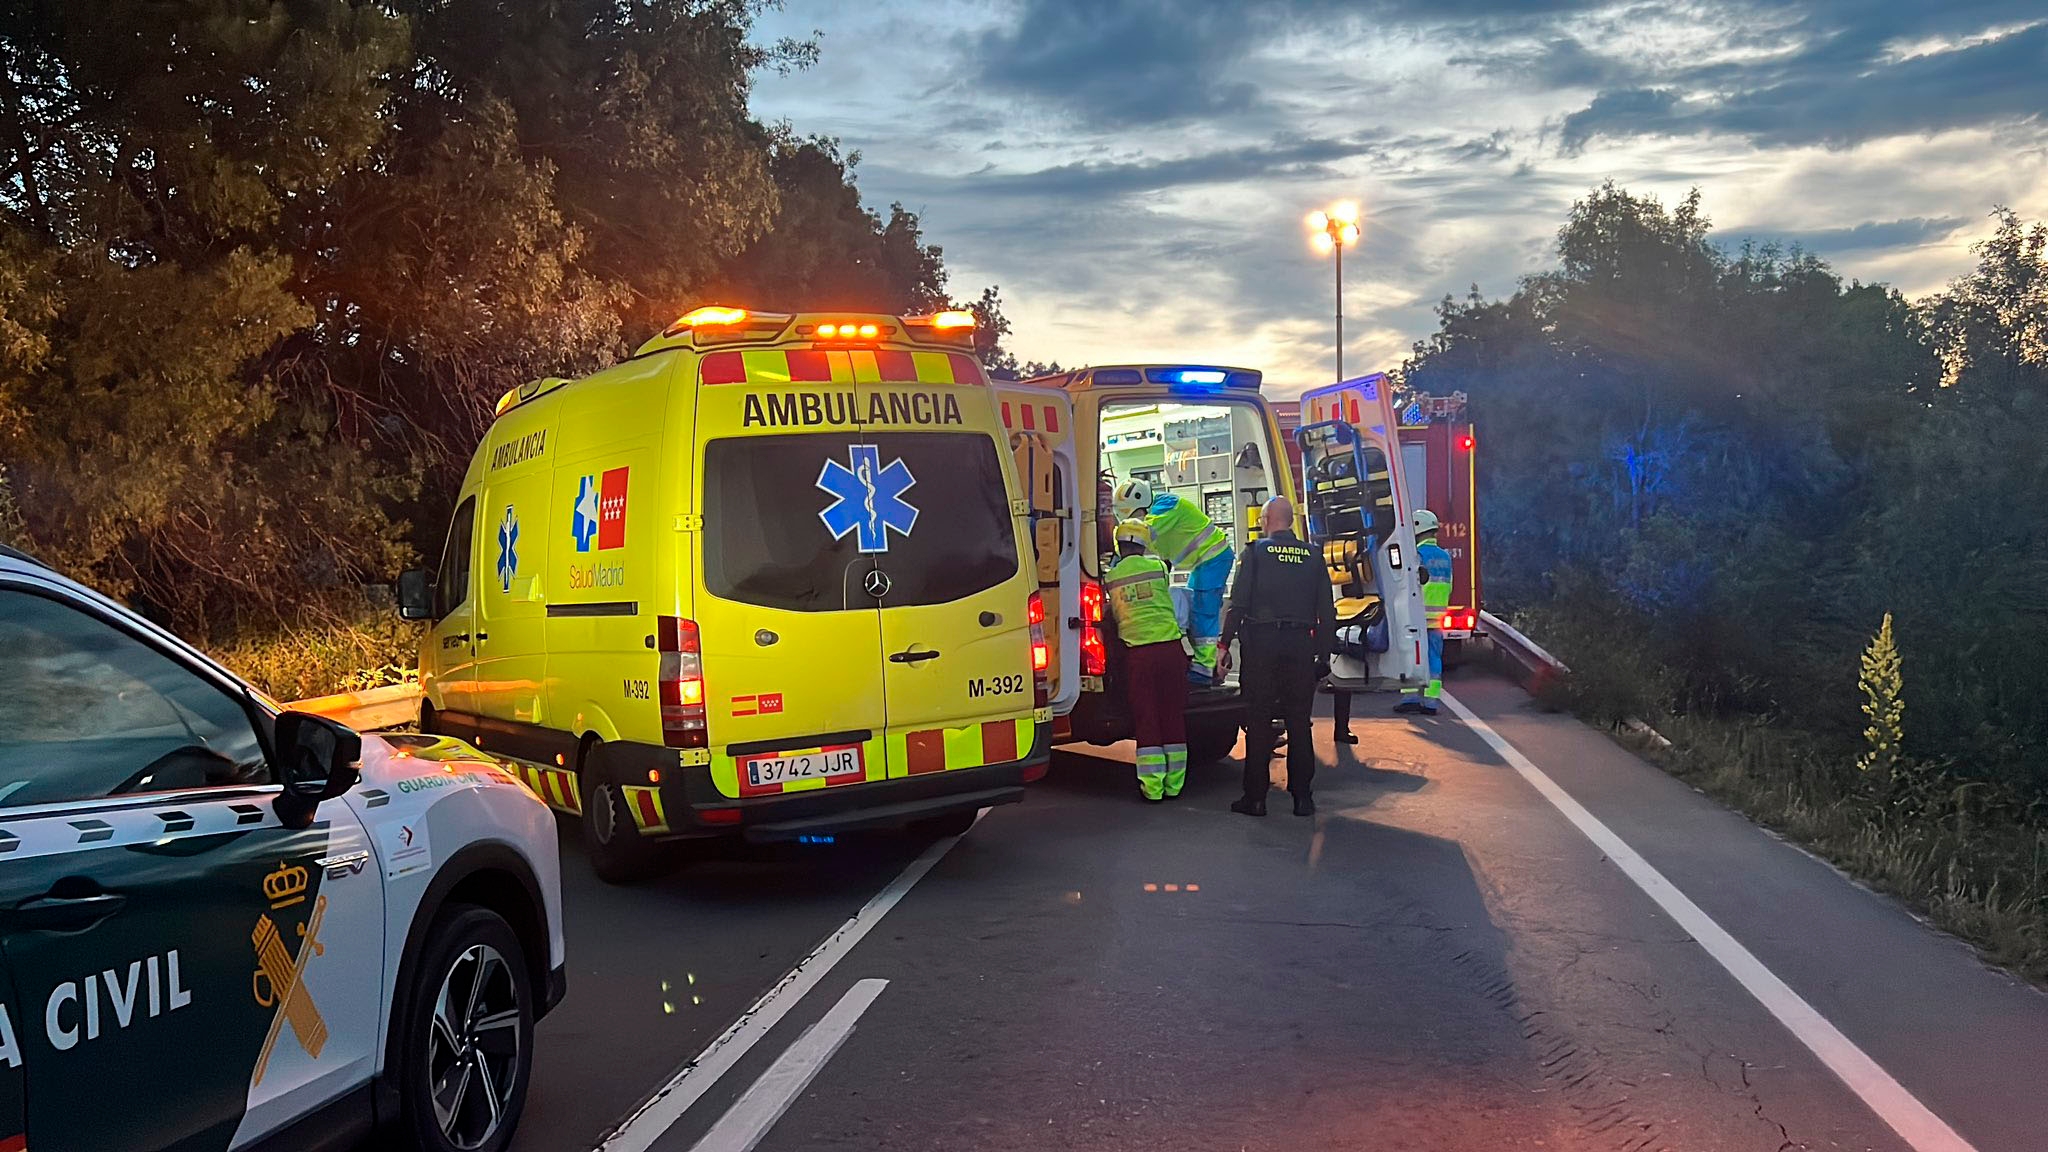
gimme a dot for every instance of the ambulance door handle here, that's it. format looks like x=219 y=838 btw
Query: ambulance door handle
x=482 y=636
x=65 y=913
x=911 y=656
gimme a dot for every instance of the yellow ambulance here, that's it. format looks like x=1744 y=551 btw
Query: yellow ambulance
x=763 y=579
x=1201 y=432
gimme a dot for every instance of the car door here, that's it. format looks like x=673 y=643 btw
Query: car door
x=790 y=634
x=450 y=679
x=956 y=635
x=174 y=947
x=13 y=1078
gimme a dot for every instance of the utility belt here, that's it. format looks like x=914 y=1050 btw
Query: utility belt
x=1275 y=627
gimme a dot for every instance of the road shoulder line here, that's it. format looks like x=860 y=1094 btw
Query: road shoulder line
x=1903 y=1112
x=750 y=1118
x=646 y=1124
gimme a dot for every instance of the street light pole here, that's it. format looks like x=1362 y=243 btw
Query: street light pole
x=1340 y=308
x=1329 y=232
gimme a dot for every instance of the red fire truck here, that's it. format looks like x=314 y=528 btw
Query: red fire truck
x=1438 y=450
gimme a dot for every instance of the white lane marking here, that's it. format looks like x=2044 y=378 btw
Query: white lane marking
x=639 y=1131
x=1915 y=1123
x=755 y=1113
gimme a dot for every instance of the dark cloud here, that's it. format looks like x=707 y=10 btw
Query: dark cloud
x=1126 y=62
x=1091 y=181
x=1872 y=235
x=1839 y=82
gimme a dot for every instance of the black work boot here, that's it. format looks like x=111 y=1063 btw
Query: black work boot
x=1346 y=736
x=1304 y=805
x=1248 y=806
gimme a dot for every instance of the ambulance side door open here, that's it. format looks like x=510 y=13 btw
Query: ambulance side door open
x=789 y=626
x=174 y=948
x=956 y=637
x=1040 y=423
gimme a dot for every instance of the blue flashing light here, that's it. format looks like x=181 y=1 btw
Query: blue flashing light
x=1201 y=376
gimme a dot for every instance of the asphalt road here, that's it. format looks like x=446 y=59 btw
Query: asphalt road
x=1440 y=959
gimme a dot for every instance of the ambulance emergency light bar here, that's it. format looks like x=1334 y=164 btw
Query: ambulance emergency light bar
x=720 y=324
x=1190 y=378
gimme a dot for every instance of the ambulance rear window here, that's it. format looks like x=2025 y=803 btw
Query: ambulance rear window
x=800 y=522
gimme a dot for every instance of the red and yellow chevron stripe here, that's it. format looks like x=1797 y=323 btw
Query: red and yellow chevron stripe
x=838 y=366
x=645 y=804
x=971 y=746
x=556 y=787
x=1031 y=417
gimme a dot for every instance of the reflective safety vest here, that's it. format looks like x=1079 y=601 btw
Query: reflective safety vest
x=1436 y=595
x=1181 y=534
x=1142 y=599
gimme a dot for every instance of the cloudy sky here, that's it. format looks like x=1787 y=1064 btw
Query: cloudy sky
x=1134 y=173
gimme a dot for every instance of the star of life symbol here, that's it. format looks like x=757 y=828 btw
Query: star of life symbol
x=585 y=524
x=508 y=549
x=870 y=498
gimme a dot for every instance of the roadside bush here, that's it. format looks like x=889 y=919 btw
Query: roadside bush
x=369 y=650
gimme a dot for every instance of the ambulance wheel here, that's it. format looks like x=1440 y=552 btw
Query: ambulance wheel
x=951 y=824
x=468 y=1039
x=1210 y=739
x=618 y=853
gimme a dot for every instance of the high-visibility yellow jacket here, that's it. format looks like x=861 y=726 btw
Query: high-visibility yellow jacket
x=1181 y=535
x=1141 y=597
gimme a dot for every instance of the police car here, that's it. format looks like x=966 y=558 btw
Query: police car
x=227 y=925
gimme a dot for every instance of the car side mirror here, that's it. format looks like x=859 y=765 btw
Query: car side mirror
x=317 y=759
x=415 y=595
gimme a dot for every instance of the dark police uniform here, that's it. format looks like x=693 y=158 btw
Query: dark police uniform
x=1280 y=608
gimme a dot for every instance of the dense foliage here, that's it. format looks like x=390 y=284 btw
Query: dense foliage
x=1716 y=472
x=265 y=265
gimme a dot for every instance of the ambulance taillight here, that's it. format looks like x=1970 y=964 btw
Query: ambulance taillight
x=682 y=684
x=1041 y=653
x=1094 y=654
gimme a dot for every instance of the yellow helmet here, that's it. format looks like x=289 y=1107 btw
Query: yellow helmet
x=1136 y=531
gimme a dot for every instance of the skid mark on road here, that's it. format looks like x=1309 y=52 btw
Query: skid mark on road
x=1599 y=1102
x=1902 y=1111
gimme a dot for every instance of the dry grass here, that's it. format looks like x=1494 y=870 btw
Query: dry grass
x=1968 y=866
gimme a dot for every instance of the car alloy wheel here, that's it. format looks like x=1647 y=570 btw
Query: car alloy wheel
x=473 y=1047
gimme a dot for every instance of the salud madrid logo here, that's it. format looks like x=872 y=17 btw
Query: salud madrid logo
x=508 y=549
x=600 y=514
x=869 y=498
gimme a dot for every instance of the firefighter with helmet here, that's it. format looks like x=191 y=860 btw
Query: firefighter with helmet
x=1187 y=540
x=1435 y=565
x=1140 y=595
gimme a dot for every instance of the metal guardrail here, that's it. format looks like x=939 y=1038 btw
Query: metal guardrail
x=369 y=710
x=1521 y=658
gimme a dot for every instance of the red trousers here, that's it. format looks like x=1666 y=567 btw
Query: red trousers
x=1156 y=683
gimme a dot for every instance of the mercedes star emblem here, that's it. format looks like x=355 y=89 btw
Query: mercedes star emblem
x=876 y=583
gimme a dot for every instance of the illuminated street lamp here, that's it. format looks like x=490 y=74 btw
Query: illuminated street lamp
x=1329 y=232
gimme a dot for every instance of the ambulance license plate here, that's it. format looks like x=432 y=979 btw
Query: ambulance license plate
x=841 y=763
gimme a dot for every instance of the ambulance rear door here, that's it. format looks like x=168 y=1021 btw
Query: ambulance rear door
x=1366 y=405
x=955 y=592
x=789 y=627
x=1040 y=425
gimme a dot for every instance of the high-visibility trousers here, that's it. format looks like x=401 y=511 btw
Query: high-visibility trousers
x=1205 y=610
x=1155 y=683
x=1434 y=689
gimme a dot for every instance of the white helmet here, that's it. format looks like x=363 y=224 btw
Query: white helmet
x=1425 y=523
x=1132 y=497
